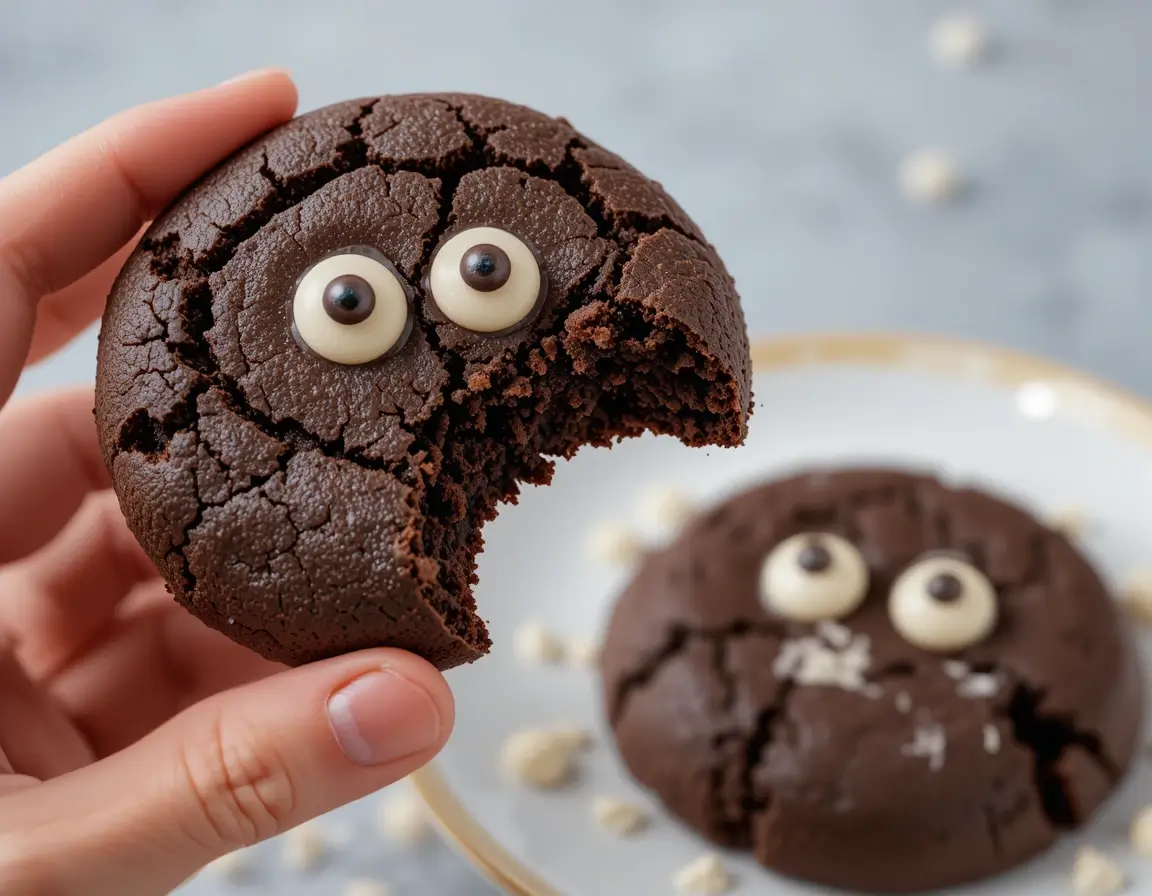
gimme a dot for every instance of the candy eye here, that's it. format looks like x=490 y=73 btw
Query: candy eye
x=943 y=604
x=486 y=280
x=813 y=577
x=351 y=307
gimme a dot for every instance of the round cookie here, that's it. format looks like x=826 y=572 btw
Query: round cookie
x=330 y=361
x=873 y=681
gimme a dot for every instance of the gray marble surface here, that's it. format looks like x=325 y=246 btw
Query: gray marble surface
x=780 y=127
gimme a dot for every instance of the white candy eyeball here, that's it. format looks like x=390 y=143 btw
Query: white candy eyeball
x=351 y=307
x=813 y=577
x=943 y=604
x=486 y=280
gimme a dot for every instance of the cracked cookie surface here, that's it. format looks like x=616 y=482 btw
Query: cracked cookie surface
x=837 y=750
x=307 y=508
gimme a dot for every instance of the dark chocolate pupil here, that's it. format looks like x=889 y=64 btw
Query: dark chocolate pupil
x=945 y=588
x=349 y=299
x=815 y=558
x=485 y=267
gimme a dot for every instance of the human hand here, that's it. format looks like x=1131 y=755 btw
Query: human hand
x=136 y=744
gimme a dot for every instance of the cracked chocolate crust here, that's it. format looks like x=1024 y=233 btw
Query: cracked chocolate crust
x=308 y=509
x=824 y=782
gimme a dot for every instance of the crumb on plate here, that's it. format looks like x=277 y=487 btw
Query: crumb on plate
x=402 y=817
x=1095 y=874
x=614 y=544
x=534 y=643
x=958 y=40
x=930 y=176
x=706 y=875
x=621 y=818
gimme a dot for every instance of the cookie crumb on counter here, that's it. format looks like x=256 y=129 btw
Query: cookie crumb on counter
x=534 y=643
x=232 y=866
x=614 y=544
x=304 y=847
x=1137 y=596
x=1142 y=832
x=621 y=818
x=958 y=40
x=930 y=176
x=583 y=652
x=542 y=758
x=1095 y=874
x=1070 y=521
x=403 y=818
x=706 y=875
x=362 y=886
x=667 y=508
x=576 y=738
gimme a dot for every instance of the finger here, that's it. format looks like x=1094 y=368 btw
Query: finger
x=59 y=599
x=164 y=658
x=237 y=768
x=36 y=736
x=49 y=462
x=68 y=311
x=66 y=212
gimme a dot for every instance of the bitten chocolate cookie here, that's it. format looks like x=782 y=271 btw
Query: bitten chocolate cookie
x=331 y=360
x=874 y=681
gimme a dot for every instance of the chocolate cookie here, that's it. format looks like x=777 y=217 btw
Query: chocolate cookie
x=874 y=681
x=331 y=360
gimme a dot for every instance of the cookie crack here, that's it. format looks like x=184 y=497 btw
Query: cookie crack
x=1049 y=737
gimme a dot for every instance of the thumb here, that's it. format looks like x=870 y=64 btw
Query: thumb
x=237 y=768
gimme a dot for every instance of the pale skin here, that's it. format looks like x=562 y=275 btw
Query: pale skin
x=136 y=745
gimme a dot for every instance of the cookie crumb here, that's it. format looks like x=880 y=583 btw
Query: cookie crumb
x=1070 y=521
x=534 y=643
x=541 y=758
x=1095 y=874
x=667 y=508
x=584 y=652
x=576 y=738
x=706 y=875
x=614 y=544
x=930 y=176
x=959 y=40
x=991 y=739
x=1137 y=596
x=621 y=818
x=362 y=886
x=1142 y=832
x=233 y=866
x=928 y=742
x=304 y=847
x=403 y=818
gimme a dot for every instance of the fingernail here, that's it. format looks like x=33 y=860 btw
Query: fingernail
x=381 y=717
x=253 y=75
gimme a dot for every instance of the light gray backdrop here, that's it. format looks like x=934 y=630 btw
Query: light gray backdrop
x=778 y=125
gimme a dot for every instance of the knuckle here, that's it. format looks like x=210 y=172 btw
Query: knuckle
x=242 y=791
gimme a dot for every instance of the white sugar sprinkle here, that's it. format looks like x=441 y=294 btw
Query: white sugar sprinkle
x=955 y=669
x=929 y=742
x=904 y=702
x=810 y=661
x=621 y=818
x=979 y=685
x=837 y=635
x=402 y=818
x=991 y=739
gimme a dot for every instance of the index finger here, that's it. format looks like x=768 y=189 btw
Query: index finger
x=66 y=212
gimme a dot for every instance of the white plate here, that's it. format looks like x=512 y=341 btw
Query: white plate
x=1046 y=436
